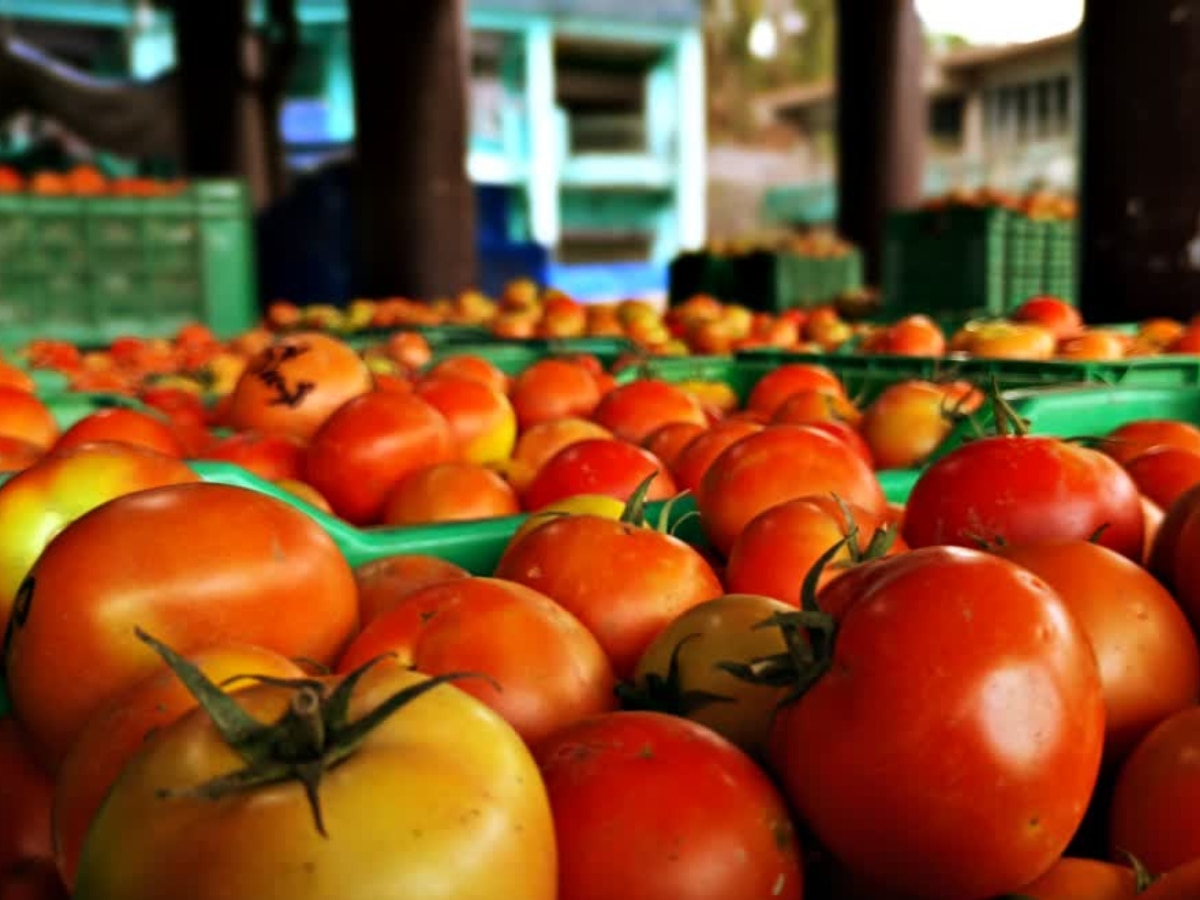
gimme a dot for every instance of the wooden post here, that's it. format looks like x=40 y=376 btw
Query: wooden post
x=208 y=47
x=881 y=118
x=414 y=204
x=1140 y=243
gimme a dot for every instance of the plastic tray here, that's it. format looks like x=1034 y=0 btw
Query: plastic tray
x=514 y=357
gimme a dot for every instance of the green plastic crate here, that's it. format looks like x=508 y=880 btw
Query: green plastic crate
x=769 y=282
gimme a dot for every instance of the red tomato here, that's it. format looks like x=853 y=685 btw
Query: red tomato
x=1072 y=878
x=125 y=426
x=305 y=493
x=1182 y=883
x=707 y=824
x=700 y=452
x=668 y=442
x=774 y=388
x=548 y=668
x=384 y=582
x=26 y=796
x=849 y=436
x=1174 y=559
x=24 y=416
x=197 y=563
x=1135 y=438
x=646 y=580
x=480 y=417
x=906 y=423
x=16 y=454
x=598 y=466
x=13 y=377
x=890 y=781
x=1149 y=663
x=408 y=349
x=914 y=336
x=1163 y=473
x=553 y=389
x=632 y=411
x=1053 y=314
x=542 y=441
x=473 y=368
x=780 y=463
x=269 y=456
x=1025 y=489
x=449 y=492
x=1095 y=345
x=368 y=445
x=816 y=405
x=185 y=411
x=1155 y=811
x=34 y=879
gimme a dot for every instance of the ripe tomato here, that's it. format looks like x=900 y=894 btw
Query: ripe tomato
x=474 y=368
x=42 y=500
x=1182 y=883
x=185 y=411
x=547 y=667
x=126 y=426
x=849 y=436
x=1021 y=489
x=26 y=796
x=480 y=417
x=199 y=563
x=1095 y=344
x=409 y=349
x=598 y=466
x=305 y=493
x=780 y=463
x=700 y=452
x=34 y=879
x=632 y=411
x=1057 y=316
x=775 y=551
x=118 y=730
x=382 y=583
x=1149 y=663
x=906 y=423
x=269 y=456
x=913 y=336
x=1154 y=518
x=647 y=579
x=295 y=384
x=579 y=504
x=775 y=387
x=553 y=389
x=542 y=441
x=1135 y=438
x=24 y=416
x=999 y=648
x=441 y=799
x=668 y=442
x=810 y=406
x=16 y=454
x=368 y=445
x=13 y=377
x=1163 y=473
x=1072 y=878
x=722 y=630
x=706 y=823
x=1006 y=340
x=449 y=492
x=1155 y=811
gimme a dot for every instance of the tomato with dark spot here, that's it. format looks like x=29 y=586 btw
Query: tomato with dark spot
x=707 y=823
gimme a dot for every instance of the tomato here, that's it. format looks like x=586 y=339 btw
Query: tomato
x=542 y=441
x=722 y=630
x=890 y=780
x=775 y=551
x=1057 y=316
x=668 y=442
x=126 y=426
x=1095 y=344
x=651 y=807
x=198 y=563
x=632 y=411
x=480 y=417
x=1021 y=489
x=780 y=463
x=33 y=879
x=440 y=800
x=185 y=411
x=24 y=416
x=646 y=580
x=1163 y=473
x=1148 y=659
x=547 y=667
x=810 y=406
x=269 y=456
x=304 y=492
x=906 y=423
x=1072 y=878
x=474 y=368
x=1173 y=558
x=409 y=349
x=115 y=733
x=913 y=336
x=368 y=445
x=384 y=582
x=26 y=796
x=1154 y=515
x=700 y=452
x=1155 y=811
x=295 y=384
x=46 y=497
x=598 y=466
x=1135 y=438
x=449 y=492
x=1182 y=883
x=16 y=454
x=578 y=504
x=849 y=436
x=778 y=385
x=553 y=389
x=13 y=377
x=1006 y=340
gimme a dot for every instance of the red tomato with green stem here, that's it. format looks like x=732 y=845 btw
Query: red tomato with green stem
x=598 y=466
x=1182 y=883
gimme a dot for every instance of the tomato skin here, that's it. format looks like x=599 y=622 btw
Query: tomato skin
x=550 y=669
x=811 y=406
x=449 y=492
x=1135 y=438
x=475 y=368
x=849 y=436
x=707 y=823
x=553 y=389
x=777 y=464
x=481 y=418
x=118 y=730
x=1182 y=883
x=442 y=782
x=16 y=454
x=907 y=423
x=24 y=416
x=774 y=388
x=632 y=411
x=126 y=426
x=1057 y=316
x=34 y=879
x=648 y=579
x=1072 y=878
x=384 y=582
x=270 y=456
x=368 y=445
x=1173 y=558
x=1025 y=489
x=275 y=580
x=668 y=442
x=43 y=499
x=1163 y=473
x=26 y=796
x=699 y=454
x=932 y=630
x=1148 y=659
x=598 y=466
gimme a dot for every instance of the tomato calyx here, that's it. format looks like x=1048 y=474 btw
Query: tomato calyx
x=313 y=735
x=662 y=694
x=635 y=509
x=881 y=542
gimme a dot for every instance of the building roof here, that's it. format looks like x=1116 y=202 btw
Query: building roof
x=973 y=57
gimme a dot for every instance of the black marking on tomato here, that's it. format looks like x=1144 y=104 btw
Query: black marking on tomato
x=268 y=373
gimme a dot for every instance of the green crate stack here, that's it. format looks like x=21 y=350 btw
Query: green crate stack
x=88 y=270
x=1061 y=244
x=765 y=281
x=1025 y=260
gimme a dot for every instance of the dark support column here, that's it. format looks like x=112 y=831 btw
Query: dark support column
x=881 y=118
x=208 y=44
x=414 y=205
x=1140 y=253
